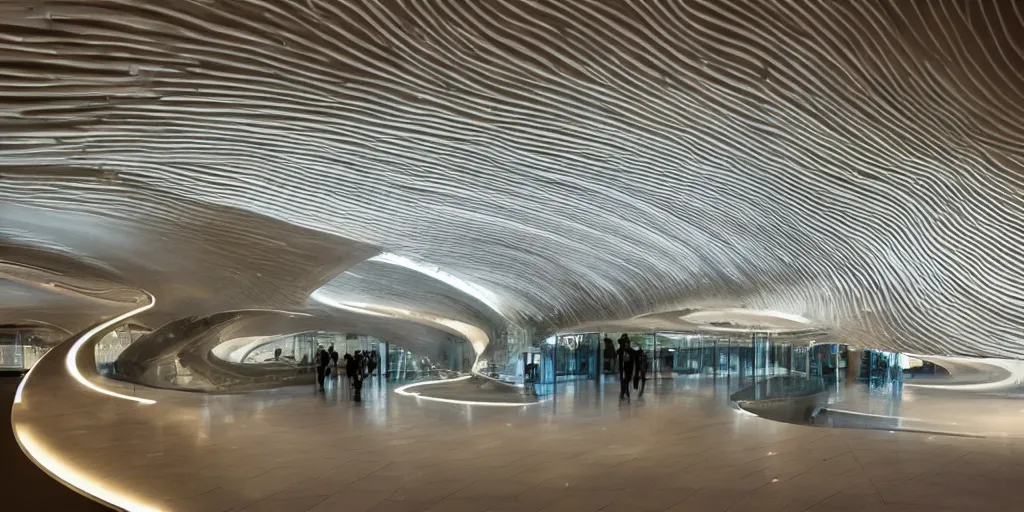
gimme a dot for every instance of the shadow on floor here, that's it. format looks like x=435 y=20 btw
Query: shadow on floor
x=25 y=486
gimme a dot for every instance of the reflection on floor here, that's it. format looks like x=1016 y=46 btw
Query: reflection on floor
x=926 y=410
x=681 y=447
x=23 y=486
x=470 y=390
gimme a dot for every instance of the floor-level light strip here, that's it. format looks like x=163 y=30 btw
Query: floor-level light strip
x=73 y=353
x=886 y=416
x=21 y=385
x=70 y=361
x=404 y=391
x=80 y=480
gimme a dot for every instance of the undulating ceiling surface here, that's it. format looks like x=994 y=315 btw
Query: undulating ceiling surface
x=195 y=258
x=854 y=163
x=372 y=282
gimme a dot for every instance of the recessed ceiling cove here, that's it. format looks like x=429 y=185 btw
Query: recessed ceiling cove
x=856 y=163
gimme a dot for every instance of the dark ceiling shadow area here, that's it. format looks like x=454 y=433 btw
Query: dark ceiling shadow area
x=25 y=486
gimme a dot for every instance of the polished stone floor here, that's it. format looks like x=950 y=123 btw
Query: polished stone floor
x=969 y=413
x=680 y=448
x=24 y=485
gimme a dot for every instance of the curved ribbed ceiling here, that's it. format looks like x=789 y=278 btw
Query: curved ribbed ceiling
x=855 y=163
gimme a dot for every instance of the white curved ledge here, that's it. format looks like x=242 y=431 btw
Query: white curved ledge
x=404 y=391
x=71 y=360
x=78 y=480
x=49 y=378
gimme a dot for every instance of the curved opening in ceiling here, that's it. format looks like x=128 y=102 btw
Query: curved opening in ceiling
x=477 y=337
x=746 y=320
x=473 y=290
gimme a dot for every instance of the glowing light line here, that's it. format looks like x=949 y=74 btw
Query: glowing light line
x=471 y=289
x=477 y=338
x=70 y=361
x=78 y=480
x=403 y=391
x=887 y=417
x=21 y=385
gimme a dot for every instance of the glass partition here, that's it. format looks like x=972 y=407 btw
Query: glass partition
x=113 y=343
x=739 y=358
x=566 y=358
x=683 y=354
x=576 y=356
x=21 y=347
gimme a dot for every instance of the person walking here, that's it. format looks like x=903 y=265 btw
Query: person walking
x=371 y=365
x=334 y=359
x=323 y=360
x=627 y=365
x=350 y=367
x=640 y=374
x=364 y=358
x=359 y=362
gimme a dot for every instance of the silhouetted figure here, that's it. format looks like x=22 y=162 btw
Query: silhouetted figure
x=323 y=360
x=277 y=354
x=357 y=381
x=627 y=365
x=334 y=358
x=371 y=364
x=640 y=375
x=531 y=371
x=609 y=355
x=350 y=367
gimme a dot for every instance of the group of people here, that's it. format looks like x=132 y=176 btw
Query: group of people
x=633 y=366
x=357 y=367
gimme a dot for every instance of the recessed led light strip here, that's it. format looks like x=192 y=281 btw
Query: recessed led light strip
x=71 y=359
x=49 y=460
x=72 y=356
x=78 y=480
x=404 y=391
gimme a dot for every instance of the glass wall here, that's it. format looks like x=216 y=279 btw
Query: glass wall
x=296 y=348
x=687 y=354
x=505 y=358
x=113 y=343
x=881 y=370
x=404 y=365
x=21 y=347
x=801 y=358
x=577 y=356
x=396 y=363
x=741 y=358
x=682 y=354
x=350 y=343
x=562 y=359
